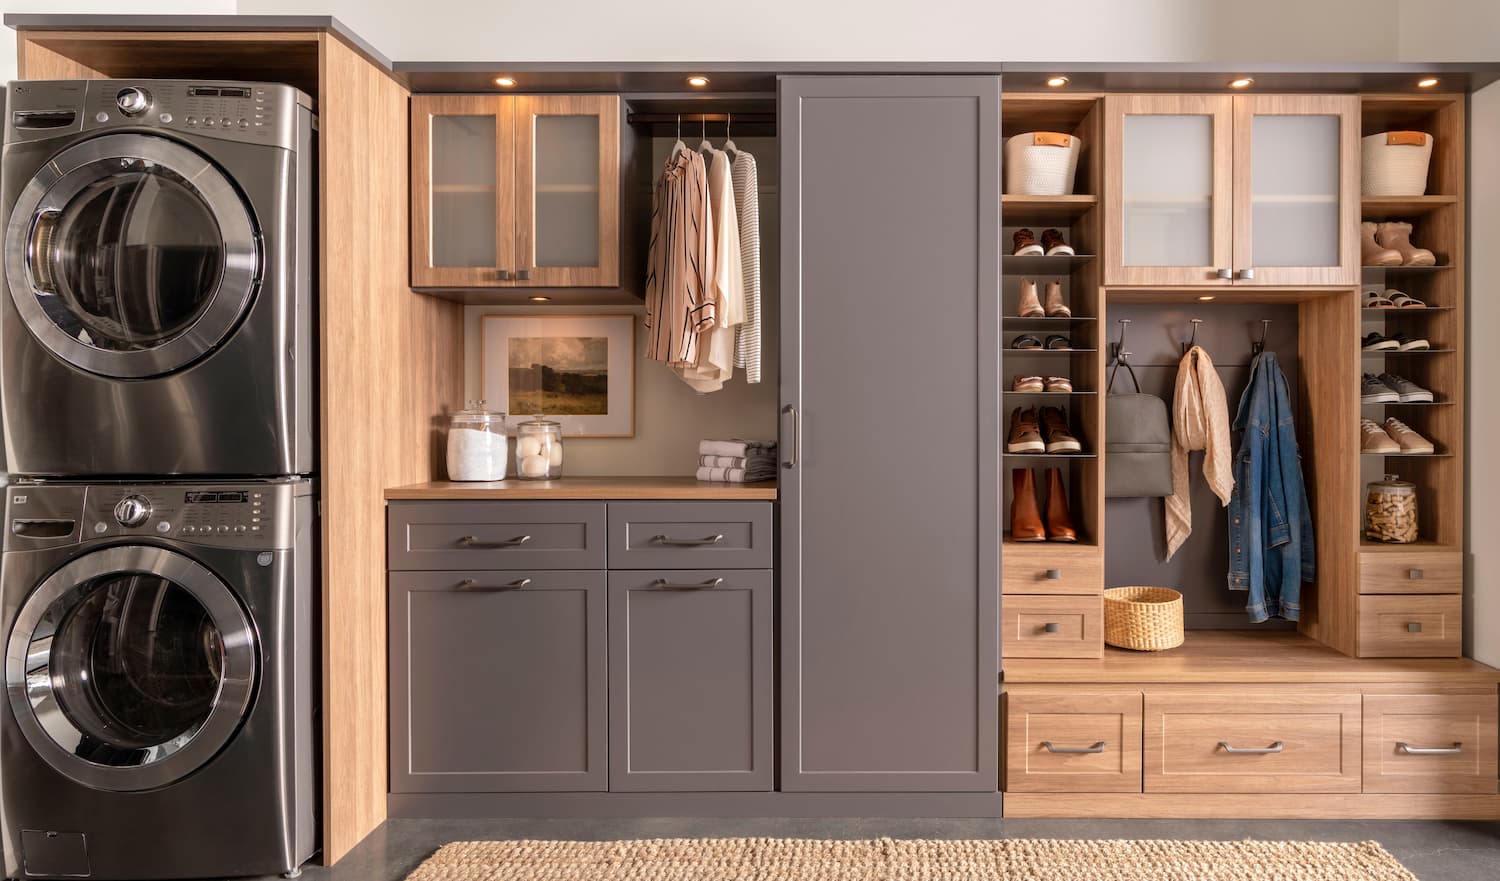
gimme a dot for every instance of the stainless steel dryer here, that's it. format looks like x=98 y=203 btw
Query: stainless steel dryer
x=159 y=678
x=158 y=252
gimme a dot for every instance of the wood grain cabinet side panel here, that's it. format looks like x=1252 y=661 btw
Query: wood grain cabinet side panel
x=1430 y=743
x=1073 y=742
x=1411 y=626
x=1264 y=742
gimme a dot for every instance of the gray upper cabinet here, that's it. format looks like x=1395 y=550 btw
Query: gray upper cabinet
x=691 y=687
x=889 y=534
x=498 y=681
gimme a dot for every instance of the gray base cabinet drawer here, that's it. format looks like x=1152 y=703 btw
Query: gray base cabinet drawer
x=498 y=681
x=489 y=535
x=691 y=681
x=690 y=535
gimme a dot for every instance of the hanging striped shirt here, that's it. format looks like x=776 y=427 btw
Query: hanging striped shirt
x=747 y=197
x=678 y=305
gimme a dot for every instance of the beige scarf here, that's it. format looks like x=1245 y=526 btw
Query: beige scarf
x=1200 y=421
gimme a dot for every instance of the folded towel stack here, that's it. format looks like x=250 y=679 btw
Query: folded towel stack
x=736 y=461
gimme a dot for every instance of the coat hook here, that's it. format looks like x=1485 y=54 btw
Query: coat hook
x=1117 y=349
x=1193 y=340
x=1259 y=346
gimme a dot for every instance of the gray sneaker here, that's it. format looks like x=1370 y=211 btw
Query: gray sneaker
x=1373 y=391
x=1407 y=392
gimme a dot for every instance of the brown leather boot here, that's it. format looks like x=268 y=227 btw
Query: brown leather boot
x=1025 y=514
x=1397 y=237
x=1055 y=306
x=1059 y=523
x=1031 y=304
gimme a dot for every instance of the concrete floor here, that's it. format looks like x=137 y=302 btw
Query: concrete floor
x=1432 y=850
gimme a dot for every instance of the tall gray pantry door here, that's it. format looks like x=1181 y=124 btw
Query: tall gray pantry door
x=890 y=433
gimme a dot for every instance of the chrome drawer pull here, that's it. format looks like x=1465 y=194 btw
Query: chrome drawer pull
x=1274 y=748
x=668 y=541
x=471 y=584
x=663 y=584
x=1073 y=750
x=1408 y=749
x=470 y=541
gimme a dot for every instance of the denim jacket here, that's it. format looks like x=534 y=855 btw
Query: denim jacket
x=1270 y=524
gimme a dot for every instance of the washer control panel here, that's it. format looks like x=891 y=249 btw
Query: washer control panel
x=239 y=515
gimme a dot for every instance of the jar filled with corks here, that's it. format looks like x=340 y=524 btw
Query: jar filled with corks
x=1391 y=511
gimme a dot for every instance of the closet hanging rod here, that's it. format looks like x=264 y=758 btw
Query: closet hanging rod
x=664 y=118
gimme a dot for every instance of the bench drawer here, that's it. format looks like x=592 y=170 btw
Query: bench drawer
x=496 y=535
x=1430 y=743
x=690 y=535
x=1299 y=742
x=1411 y=571
x=1052 y=626
x=1047 y=571
x=1073 y=742
x=1413 y=626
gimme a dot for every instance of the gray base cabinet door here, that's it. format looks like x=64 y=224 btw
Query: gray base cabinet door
x=498 y=681
x=890 y=435
x=691 y=681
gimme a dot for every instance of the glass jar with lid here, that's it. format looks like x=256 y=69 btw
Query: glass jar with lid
x=1391 y=511
x=477 y=444
x=539 y=451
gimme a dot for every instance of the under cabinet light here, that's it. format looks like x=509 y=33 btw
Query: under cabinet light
x=506 y=81
x=1206 y=297
x=1427 y=82
x=1243 y=82
x=540 y=299
x=1057 y=82
x=697 y=81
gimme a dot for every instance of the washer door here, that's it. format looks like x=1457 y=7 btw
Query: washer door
x=131 y=255
x=130 y=668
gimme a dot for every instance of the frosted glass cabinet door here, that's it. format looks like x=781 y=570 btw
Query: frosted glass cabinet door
x=1169 y=220
x=1296 y=189
x=462 y=190
x=567 y=190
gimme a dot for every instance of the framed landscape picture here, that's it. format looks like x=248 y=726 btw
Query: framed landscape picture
x=578 y=370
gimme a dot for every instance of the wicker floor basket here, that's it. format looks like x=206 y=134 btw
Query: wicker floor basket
x=1147 y=619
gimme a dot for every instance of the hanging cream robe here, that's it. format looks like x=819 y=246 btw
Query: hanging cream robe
x=1200 y=421
x=726 y=285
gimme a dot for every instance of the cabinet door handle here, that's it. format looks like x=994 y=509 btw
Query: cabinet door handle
x=663 y=584
x=1054 y=574
x=523 y=275
x=1415 y=574
x=1052 y=627
x=1414 y=627
x=1073 y=750
x=668 y=541
x=1274 y=748
x=796 y=445
x=471 y=584
x=504 y=275
x=1246 y=274
x=1224 y=273
x=1408 y=749
x=470 y=541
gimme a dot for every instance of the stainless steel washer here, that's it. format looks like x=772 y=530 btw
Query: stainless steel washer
x=157 y=251
x=159 y=677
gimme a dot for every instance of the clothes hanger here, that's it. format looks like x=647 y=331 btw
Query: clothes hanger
x=729 y=145
x=678 y=147
x=704 y=146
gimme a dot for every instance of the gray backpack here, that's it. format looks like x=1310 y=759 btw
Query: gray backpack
x=1137 y=442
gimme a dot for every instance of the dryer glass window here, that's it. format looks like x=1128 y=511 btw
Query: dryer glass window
x=136 y=663
x=131 y=262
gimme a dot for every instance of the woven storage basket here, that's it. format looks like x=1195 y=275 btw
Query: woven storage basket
x=1041 y=163
x=1395 y=169
x=1147 y=619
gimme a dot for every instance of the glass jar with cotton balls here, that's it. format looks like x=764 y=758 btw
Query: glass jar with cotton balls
x=539 y=449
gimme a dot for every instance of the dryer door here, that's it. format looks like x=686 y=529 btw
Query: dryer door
x=131 y=255
x=130 y=667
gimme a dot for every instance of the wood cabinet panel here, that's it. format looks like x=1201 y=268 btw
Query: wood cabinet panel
x=1296 y=742
x=1430 y=743
x=1047 y=570
x=1052 y=626
x=1404 y=572
x=604 y=271
x=1411 y=626
x=1073 y=742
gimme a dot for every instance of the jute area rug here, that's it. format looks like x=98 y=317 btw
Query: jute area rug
x=884 y=859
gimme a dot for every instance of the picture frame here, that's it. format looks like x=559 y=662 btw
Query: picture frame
x=577 y=370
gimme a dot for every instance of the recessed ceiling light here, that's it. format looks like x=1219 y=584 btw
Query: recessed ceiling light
x=1057 y=82
x=1243 y=82
x=697 y=81
x=539 y=299
x=1427 y=83
x=1206 y=297
x=506 y=81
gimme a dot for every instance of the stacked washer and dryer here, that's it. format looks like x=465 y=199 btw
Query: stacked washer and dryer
x=158 y=577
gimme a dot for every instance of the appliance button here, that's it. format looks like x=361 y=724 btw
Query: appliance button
x=166 y=118
x=189 y=530
x=208 y=122
x=244 y=123
x=101 y=116
x=133 y=510
x=223 y=528
x=164 y=527
x=100 y=527
x=192 y=120
x=226 y=121
x=240 y=528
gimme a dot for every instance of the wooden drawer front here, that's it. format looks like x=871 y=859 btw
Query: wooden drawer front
x=1430 y=743
x=1191 y=743
x=1417 y=626
x=690 y=535
x=1412 y=571
x=1024 y=571
x=1052 y=627
x=1073 y=743
x=496 y=535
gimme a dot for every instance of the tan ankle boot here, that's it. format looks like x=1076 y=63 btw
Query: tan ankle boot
x=1056 y=308
x=1397 y=237
x=1059 y=522
x=1031 y=304
x=1370 y=252
x=1025 y=514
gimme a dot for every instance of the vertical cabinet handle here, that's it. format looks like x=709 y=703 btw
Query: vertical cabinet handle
x=1414 y=627
x=504 y=275
x=523 y=275
x=1224 y=273
x=1246 y=274
x=1409 y=750
x=1415 y=574
x=1073 y=750
x=795 y=447
x=1273 y=749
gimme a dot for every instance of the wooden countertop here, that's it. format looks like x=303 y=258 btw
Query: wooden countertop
x=1221 y=656
x=587 y=488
